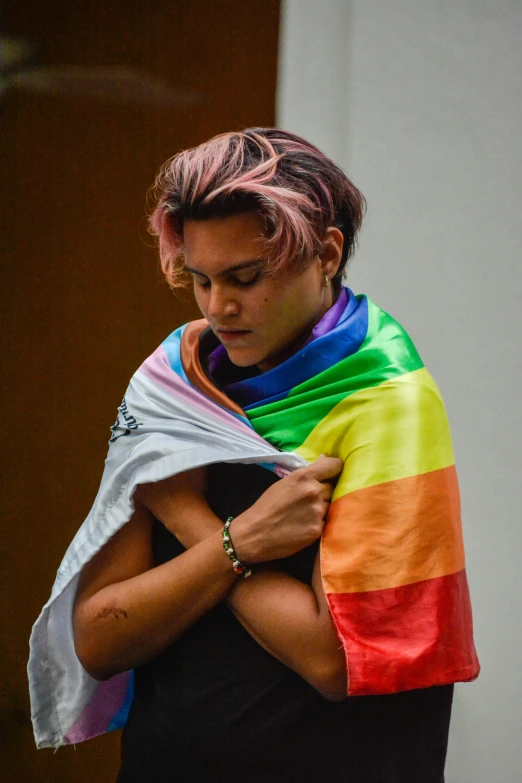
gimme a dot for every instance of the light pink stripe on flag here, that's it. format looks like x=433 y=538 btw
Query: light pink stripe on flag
x=97 y=715
x=158 y=369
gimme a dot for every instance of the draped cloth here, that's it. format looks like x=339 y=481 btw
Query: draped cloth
x=392 y=558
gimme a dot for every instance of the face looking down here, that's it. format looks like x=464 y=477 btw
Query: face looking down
x=261 y=319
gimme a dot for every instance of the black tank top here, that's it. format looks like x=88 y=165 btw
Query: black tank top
x=214 y=706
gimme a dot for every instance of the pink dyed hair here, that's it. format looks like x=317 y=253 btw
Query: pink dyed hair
x=295 y=188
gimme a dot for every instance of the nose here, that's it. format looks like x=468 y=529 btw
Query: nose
x=221 y=303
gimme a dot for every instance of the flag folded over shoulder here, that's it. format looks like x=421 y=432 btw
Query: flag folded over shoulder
x=392 y=558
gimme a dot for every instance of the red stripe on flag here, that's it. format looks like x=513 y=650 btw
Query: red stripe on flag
x=407 y=637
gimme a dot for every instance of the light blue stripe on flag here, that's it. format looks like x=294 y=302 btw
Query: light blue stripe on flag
x=172 y=347
x=120 y=719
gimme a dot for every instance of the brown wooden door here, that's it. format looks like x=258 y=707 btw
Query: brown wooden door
x=83 y=301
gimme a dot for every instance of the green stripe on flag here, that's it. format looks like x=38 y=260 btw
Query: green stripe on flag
x=387 y=352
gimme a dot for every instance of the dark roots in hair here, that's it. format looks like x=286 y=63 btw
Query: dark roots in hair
x=296 y=189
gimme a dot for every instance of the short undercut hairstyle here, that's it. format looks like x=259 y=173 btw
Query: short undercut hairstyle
x=294 y=187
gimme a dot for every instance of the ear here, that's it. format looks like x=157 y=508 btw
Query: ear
x=330 y=256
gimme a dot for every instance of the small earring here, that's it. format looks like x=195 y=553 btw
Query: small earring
x=326 y=281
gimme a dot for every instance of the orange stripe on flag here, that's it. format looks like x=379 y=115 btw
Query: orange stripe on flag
x=393 y=534
x=407 y=637
x=192 y=366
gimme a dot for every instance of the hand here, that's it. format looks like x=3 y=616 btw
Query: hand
x=289 y=516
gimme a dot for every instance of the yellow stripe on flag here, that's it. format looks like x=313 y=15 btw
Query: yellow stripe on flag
x=388 y=432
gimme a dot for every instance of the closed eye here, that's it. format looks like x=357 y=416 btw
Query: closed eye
x=200 y=280
x=247 y=278
x=242 y=280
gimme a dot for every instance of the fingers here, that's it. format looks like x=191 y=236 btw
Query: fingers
x=327 y=492
x=325 y=468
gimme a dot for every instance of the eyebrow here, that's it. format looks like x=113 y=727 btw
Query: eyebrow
x=234 y=268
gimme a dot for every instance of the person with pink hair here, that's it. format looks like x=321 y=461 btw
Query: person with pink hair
x=243 y=668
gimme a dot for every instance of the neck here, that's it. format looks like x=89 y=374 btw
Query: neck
x=303 y=338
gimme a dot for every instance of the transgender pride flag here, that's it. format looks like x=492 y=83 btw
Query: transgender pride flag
x=392 y=558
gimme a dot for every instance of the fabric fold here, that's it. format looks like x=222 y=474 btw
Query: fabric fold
x=392 y=558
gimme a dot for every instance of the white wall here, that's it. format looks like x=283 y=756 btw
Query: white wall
x=420 y=103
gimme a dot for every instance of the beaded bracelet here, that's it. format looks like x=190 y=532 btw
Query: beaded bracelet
x=228 y=546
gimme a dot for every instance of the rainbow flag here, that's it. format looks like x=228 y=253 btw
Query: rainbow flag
x=392 y=559
x=392 y=556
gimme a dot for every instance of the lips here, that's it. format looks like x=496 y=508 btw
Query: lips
x=229 y=335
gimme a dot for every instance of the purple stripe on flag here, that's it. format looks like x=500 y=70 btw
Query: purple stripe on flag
x=97 y=715
x=330 y=318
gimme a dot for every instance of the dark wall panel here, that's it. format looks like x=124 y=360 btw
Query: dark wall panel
x=83 y=302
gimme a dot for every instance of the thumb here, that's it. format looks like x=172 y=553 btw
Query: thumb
x=325 y=467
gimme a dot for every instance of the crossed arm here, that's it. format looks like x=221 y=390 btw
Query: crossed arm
x=128 y=610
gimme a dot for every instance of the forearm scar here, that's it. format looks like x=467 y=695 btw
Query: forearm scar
x=114 y=610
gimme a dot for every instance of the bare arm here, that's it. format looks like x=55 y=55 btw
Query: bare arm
x=292 y=622
x=286 y=617
x=127 y=611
